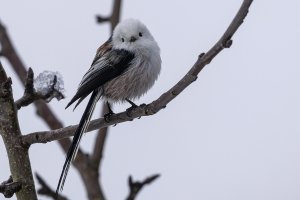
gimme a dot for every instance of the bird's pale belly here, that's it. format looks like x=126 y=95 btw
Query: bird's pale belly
x=132 y=84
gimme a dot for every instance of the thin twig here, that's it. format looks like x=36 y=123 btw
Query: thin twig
x=162 y=101
x=135 y=186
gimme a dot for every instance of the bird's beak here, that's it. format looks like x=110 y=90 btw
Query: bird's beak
x=132 y=39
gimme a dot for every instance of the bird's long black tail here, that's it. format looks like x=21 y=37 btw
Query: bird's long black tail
x=84 y=122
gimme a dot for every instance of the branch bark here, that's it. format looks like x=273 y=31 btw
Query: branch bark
x=9 y=130
x=160 y=103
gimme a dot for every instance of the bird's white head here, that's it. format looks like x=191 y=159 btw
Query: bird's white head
x=133 y=35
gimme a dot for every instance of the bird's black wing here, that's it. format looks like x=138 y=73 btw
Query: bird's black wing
x=108 y=66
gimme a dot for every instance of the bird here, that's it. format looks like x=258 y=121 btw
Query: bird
x=125 y=67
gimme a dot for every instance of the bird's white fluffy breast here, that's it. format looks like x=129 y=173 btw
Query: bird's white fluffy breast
x=138 y=78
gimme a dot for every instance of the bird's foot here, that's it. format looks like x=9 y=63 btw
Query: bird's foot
x=130 y=109
x=107 y=116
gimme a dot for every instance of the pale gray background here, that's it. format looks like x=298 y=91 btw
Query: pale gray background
x=234 y=134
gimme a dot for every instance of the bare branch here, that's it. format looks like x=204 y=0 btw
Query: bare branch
x=8 y=188
x=9 y=130
x=10 y=53
x=97 y=152
x=114 y=18
x=46 y=190
x=115 y=14
x=135 y=186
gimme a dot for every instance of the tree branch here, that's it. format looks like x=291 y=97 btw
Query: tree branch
x=29 y=93
x=162 y=101
x=8 y=188
x=114 y=18
x=9 y=130
x=97 y=153
x=10 y=53
x=135 y=186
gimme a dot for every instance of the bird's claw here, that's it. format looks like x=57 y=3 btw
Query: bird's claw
x=107 y=116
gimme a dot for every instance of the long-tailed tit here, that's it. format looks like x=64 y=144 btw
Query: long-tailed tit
x=125 y=67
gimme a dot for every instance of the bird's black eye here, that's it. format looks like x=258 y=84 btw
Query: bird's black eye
x=122 y=39
x=140 y=34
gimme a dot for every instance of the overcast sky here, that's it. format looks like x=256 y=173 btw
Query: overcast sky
x=233 y=134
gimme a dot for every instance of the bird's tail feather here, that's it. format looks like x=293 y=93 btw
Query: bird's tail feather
x=72 y=152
